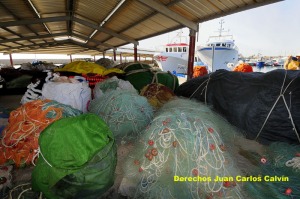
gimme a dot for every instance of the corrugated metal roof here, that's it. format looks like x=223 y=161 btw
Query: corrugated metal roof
x=90 y=27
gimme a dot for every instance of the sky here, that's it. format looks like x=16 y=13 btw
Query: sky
x=271 y=30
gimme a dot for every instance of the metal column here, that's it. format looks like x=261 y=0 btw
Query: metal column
x=135 y=52
x=191 y=54
x=115 y=55
x=11 y=60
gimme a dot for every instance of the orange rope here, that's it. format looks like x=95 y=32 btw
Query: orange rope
x=20 y=137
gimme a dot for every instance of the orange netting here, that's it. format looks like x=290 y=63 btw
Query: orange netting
x=199 y=71
x=20 y=137
x=245 y=68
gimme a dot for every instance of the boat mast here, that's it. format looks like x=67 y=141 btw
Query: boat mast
x=221 y=28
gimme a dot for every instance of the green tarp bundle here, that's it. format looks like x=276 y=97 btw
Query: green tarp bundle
x=140 y=75
x=77 y=159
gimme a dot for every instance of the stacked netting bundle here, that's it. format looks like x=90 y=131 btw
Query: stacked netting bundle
x=157 y=94
x=112 y=83
x=125 y=112
x=20 y=137
x=264 y=105
x=78 y=159
x=278 y=173
x=141 y=75
x=181 y=154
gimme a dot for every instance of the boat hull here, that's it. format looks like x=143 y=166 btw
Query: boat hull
x=173 y=62
x=218 y=57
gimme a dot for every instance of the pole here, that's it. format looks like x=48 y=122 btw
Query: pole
x=115 y=55
x=120 y=58
x=70 y=58
x=135 y=52
x=11 y=60
x=191 y=54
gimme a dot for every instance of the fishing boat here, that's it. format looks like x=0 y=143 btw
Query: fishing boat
x=220 y=52
x=174 y=56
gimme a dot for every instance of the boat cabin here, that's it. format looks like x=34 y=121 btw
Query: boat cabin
x=182 y=47
x=227 y=44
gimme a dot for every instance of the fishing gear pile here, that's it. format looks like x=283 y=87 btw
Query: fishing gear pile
x=19 y=142
x=112 y=83
x=264 y=105
x=78 y=158
x=125 y=112
x=157 y=94
x=185 y=139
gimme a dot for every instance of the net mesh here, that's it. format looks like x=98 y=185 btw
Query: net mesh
x=279 y=168
x=185 y=139
x=20 y=136
x=125 y=112
x=112 y=83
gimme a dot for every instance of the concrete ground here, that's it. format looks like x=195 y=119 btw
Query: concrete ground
x=10 y=101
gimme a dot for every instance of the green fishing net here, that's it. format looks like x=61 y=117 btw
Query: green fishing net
x=140 y=75
x=279 y=169
x=77 y=158
x=125 y=112
x=112 y=83
x=181 y=153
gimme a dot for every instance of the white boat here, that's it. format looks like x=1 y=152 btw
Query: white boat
x=220 y=52
x=174 y=57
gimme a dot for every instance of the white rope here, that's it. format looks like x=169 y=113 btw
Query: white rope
x=205 y=88
x=294 y=163
x=282 y=92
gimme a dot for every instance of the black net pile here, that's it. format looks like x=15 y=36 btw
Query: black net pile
x=265 y=105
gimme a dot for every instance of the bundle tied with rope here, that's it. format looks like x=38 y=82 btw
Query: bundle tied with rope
x=185 y=139
x=78 y=159
x=112 y=83
x=140 y=75
x=19 y=144
x=124 y=111
x=265 y=105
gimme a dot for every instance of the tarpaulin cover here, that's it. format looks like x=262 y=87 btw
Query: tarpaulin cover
x=246 y=100
x=78 y=158
x=141 y=75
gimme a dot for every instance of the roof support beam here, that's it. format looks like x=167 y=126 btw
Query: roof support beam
x=33 y=37
x=17 y=18
x=70 y=7
x=85 y=46
x=93 y=40
x=33 y=46
x=161 y=8
x=33 y=21
x=105 y=30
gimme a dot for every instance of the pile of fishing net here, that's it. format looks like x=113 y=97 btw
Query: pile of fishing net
x=157 y=94
x=78 y=158
x=199 y=71
x=140 y=75
x=107 y=63
x=112 y=83
x=243 y=67
x=180 y=154
x=125 y=112
x=82 y=67
x=264 y=105
x=279 y=172
x=70 y=91
x=19 y=142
